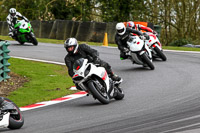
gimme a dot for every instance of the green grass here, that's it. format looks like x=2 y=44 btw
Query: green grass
x=181 y=48
x=46 y=81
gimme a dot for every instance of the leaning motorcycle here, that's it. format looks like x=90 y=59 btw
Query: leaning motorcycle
x=24 y=33
x=94 y=79
x=139 y=53
x=10 y=115
x=155 y=46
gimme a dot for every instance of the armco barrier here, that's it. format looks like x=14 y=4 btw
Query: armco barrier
x=75 y=28
x=1 y=27
x=5 y=30
x=111 y=31
x=52 y=34
x=83 y=31
x=61 y=27
x=97 y=32
x=36 y=27
x=4 y=60
x=46 y=27
x=68 y=29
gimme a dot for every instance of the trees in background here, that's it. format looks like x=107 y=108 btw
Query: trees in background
x=179 y=18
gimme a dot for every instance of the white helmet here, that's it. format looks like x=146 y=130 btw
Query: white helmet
x=12 y=12
x=71 y=42
x=121 y=29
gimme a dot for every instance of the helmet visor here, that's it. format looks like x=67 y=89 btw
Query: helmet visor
x=70 y=48
x=13 y=14
x=120 y=31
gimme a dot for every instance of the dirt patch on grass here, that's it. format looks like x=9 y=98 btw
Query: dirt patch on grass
x=11 y=84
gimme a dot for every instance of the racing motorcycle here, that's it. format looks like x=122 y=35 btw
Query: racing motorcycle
x=155 y=46
x=10 y=115
x=139 y=53
x=94 y=79
x=24 y=32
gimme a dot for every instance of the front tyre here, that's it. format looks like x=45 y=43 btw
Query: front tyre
x=16 y=119
x=119 y=94
x=147 y=61
x=98 y=93
x=33 y=39
x=160 y=53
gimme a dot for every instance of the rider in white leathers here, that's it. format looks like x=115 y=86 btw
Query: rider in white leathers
x=12 y=20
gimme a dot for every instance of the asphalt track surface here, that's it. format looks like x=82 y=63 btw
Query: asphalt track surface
x=164 y=100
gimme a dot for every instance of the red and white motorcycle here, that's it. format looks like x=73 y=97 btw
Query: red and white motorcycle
x=94 y=80
x=10 y=115
x=139 y=52
x=154 y=44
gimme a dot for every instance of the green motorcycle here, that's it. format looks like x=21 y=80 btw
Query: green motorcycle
x=24 y=32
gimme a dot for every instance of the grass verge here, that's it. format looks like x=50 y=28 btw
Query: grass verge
x=46 y=81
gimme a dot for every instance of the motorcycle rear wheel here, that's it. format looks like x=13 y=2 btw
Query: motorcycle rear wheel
x=97 y=93
x=15 y=121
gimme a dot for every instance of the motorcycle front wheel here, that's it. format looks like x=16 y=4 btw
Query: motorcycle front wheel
x=160 y=53
x=147 y=61
x=98 y=93
x=16 y=119
x=119 y=94
x=33 y=39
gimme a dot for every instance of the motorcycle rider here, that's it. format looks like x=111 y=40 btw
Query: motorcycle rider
x=77 y=51
x=122 y=37
x=139 y=27
x=12 y=20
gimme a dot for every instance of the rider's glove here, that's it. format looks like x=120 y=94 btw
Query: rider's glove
x=27 y=20
x=146 y=36
x=125 y=50
x=142 y=37
x=154 y=32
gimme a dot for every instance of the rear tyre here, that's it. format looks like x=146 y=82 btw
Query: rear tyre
x=147 y=61
x=160 y=54
x=16 y=119
x=98 y=93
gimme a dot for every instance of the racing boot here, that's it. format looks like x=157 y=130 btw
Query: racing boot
x=115 y=77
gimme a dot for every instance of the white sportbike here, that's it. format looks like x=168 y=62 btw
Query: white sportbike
x=94 y=80
x=10 y=115
x=139 y=53
x=155 y=46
